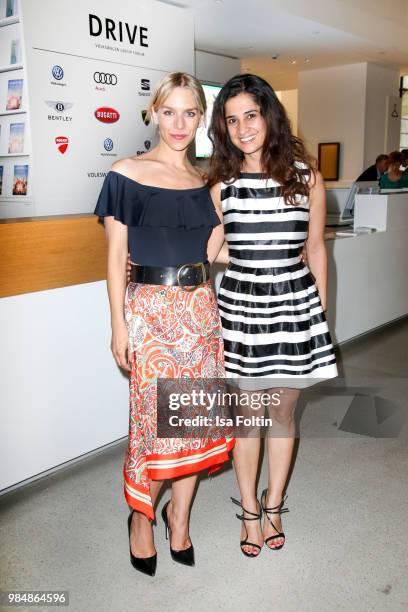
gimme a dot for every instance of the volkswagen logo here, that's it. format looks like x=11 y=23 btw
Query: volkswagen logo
x=57 y=73
x=104 y=78
x=108 y=144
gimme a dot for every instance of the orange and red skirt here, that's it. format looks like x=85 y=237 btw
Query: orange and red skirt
x=173 y=333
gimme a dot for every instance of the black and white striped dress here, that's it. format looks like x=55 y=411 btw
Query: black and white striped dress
x=272 y=318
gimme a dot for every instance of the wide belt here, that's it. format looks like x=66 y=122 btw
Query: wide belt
x=187 y=275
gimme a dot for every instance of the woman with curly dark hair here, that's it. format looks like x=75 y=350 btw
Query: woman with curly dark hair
x=276 y=338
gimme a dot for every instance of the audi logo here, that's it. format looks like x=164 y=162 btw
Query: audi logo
x=105 y=78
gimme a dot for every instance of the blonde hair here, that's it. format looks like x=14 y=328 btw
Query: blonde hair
x=169 y=82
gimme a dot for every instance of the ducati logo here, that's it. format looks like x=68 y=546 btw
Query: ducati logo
x=107 y=115
x=62 y=143
x=145 y=117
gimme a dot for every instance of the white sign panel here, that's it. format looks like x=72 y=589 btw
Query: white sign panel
x=91 y=67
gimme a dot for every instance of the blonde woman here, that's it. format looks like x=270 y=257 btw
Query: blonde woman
x=165 y=323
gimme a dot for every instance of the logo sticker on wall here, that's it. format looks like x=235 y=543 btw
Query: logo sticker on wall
x=108 y=144
x=144 y=87
x=145 y=117
x=147 y=144
x=60 y=107
x=57 y=73
x=62 y=143
x=106 y=114
x=105 y=78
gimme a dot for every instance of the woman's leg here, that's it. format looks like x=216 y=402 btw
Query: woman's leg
x=141 y=534
x=246 y=463
x=178 y=511
x=279 y=444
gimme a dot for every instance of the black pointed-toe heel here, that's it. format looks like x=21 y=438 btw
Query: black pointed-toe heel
x=279 y=509
x=254 y=517
x=146 y=565
x=186 y=556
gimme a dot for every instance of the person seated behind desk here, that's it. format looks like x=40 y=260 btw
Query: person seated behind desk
x=374 y=172
x=394 y=178
x=404 y=163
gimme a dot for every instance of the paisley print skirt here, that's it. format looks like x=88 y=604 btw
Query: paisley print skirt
x=173 y=333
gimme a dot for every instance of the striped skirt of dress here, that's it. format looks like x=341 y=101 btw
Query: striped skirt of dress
x=274 y=327
x=173 y=333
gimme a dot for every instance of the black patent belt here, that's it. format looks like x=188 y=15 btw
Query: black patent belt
x=187 y=275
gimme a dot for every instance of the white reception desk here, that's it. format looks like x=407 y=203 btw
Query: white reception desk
x=63 y=395
x=367 y=273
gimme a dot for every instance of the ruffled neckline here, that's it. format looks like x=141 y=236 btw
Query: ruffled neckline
x=155 y=187
x=139 y=205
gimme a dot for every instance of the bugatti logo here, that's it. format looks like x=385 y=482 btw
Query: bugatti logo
x=57 y=73
x=62 y=143
x=59 y=106
x=108 y=144
x=107 y=115
x=147 y=144
x=105 y=78
x=145 y=117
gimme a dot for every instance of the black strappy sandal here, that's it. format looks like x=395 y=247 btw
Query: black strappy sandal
x=274 y=510
x=253 y=517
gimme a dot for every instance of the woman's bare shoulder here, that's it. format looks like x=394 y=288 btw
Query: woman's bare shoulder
x=133 y=167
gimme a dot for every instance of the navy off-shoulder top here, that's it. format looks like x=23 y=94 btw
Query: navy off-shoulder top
x=166 y=227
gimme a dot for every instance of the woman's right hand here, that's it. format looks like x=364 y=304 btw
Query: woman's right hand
x=119 y=346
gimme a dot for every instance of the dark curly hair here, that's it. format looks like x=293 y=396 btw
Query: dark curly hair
x=281 y=148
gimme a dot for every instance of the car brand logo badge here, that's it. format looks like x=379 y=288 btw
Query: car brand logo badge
x=147 y=144
x=108 y=144
x=107 y=115
x=59 y=106
x=104 y=78
x=62 y=143
x=145 y=117
x=57 y=73
x=145 y=84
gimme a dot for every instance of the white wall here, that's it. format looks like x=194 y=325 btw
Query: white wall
x=381 y=83
x=332 y=105
x=215 y=68
x=348 y=104
x=289 y=99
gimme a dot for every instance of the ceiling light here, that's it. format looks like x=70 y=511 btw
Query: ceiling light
x=293 y=61
x=307 y=60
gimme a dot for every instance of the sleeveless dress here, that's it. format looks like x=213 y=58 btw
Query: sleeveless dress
x=173 y=333
x=272 y=318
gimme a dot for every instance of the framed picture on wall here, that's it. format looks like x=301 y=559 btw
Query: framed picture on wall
x=329 y=160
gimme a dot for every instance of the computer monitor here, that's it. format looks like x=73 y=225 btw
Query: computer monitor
x=357 y=187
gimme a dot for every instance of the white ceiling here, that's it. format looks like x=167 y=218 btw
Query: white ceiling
x=327 y=32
